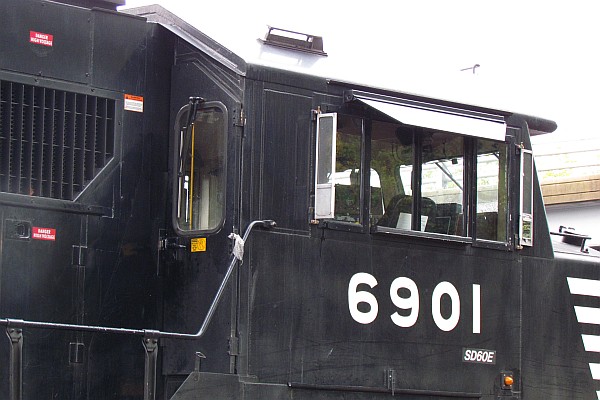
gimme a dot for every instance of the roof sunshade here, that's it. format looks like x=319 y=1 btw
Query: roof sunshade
x=432 y=116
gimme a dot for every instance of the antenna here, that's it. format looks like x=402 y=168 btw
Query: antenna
x=471 y=68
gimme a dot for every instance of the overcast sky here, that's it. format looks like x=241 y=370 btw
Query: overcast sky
x=535 y=57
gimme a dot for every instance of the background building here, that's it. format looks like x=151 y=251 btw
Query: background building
x=569 y=170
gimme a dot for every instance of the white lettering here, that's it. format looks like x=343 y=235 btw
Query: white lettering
x=467 y=355
x=445 y=324
x=411 y=303
x=41 y=38
x=356 y=297
x=405 y=303
x=479 y=356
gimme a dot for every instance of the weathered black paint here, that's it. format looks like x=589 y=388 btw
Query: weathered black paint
x=284 y=320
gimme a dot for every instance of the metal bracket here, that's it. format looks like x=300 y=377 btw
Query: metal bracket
x=76 y=350
x=170 y=243
x=151 y=346
x=79 y=255
x=169 y=248
x=197 y=363
x=314 y=113
x=234 y=346
x=16 y=363
x=519 y=147
x=390 y=380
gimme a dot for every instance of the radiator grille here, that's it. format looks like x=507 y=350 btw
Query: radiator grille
x=52 y=142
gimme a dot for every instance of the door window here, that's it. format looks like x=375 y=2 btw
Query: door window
x=201 y=169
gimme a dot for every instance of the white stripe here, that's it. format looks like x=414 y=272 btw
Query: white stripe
x=595 y=368
x=591 y=343
x=598 y=392
x=588 y=315
x=585 y=287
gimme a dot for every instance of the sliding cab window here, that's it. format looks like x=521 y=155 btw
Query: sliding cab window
x=339 y=171
x=492 y=191
x=419 y=180
x=201 y=162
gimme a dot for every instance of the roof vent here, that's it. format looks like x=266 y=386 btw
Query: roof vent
x=294 y=41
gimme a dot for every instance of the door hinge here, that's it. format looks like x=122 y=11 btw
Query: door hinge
x=518 y=148
x=239 y=118
x=79 y=255
x=234 y=346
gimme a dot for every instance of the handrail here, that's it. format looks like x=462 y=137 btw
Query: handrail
x=19 y=323
x=14 y=330
x=171 y=335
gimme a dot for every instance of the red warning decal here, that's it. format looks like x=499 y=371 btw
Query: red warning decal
x=38 y=233
x=41 y=38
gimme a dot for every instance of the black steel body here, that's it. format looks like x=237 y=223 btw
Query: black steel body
x=102 y=298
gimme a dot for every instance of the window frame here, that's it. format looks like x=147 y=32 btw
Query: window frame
x=497 y=244
x=417 y=186
x=179 y=132
x=365 y=148
x=524 y=216
x=469 y=193
x=325 y=192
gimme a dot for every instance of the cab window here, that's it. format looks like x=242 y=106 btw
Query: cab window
x=492 y=191
x=411 y=178
x=348 y=172
x=423 y=175
x=201 y=169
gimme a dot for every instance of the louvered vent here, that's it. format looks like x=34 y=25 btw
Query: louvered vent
x=52 y=142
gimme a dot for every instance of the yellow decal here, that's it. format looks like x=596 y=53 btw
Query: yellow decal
x=198 y=244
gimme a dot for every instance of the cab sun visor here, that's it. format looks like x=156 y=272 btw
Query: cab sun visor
x=433 y=116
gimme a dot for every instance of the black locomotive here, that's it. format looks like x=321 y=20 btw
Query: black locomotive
x=180 y=222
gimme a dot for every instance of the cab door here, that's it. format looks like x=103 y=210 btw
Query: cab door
x=204 y=174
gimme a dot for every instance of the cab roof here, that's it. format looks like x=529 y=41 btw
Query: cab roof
x=323 y=56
